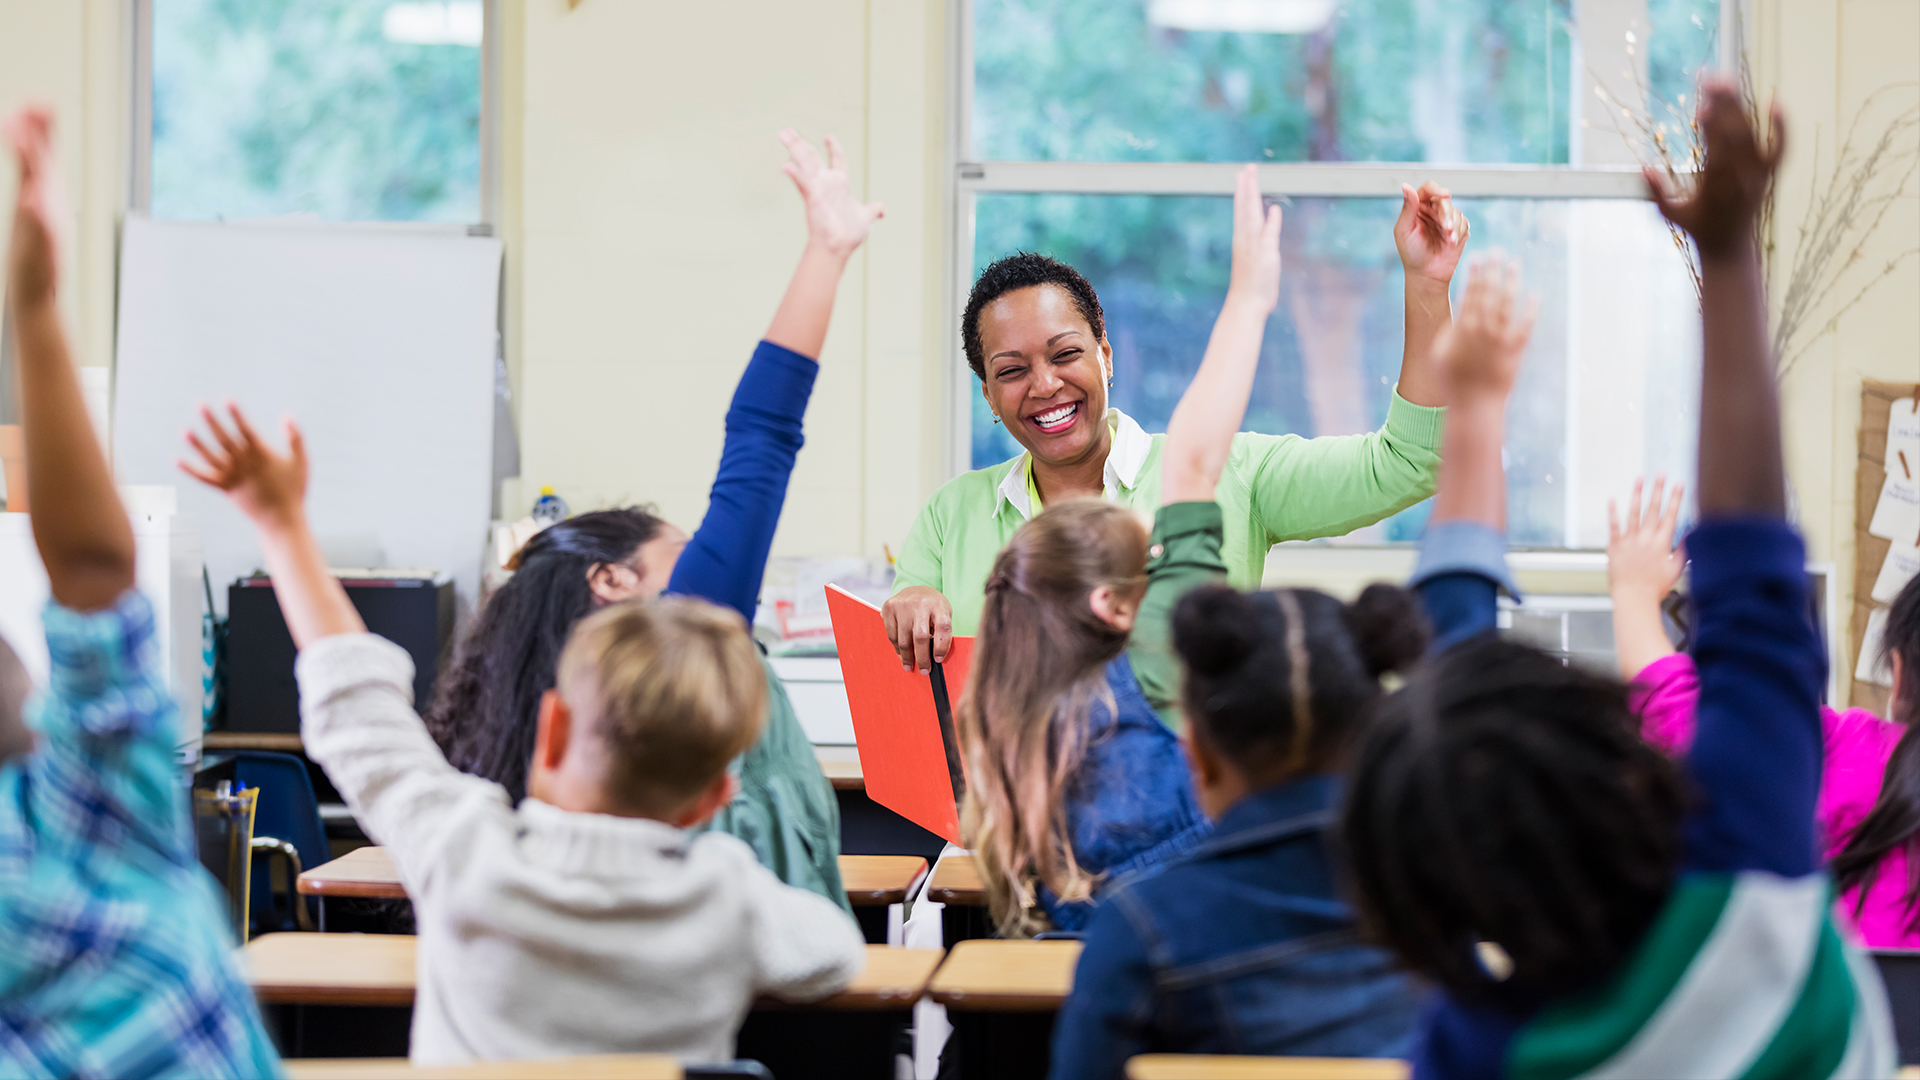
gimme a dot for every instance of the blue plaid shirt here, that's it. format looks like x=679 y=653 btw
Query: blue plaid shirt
x=116 y=958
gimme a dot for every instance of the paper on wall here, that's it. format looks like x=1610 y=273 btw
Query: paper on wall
x=1871 y=667
x=1903 y=562
x=1897 y=516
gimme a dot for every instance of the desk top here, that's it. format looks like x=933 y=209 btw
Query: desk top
x=870 y=880
x=876 y=880
x=366 y=871
x=1006 y=976
x=957 y=881
x=331 y=969
x=893 y=979
x=1205 y=1067
x=595 y=1067
x=378 y=969
x=842 y=766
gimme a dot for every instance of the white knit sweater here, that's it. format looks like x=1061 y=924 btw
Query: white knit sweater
x=545 y=932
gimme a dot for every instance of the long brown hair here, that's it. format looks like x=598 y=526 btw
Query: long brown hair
x=1038 y=669
x=1894 y=822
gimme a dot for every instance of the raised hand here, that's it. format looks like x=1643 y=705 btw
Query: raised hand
x=268 y=487
x=1479 y=355
x=1430 y=232
x=1719 y=211
x=836 y=220
x=1643 y=564
x=34 y=251
x=1255 y=276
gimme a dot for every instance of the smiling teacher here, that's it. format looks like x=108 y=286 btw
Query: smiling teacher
x=1036 y=339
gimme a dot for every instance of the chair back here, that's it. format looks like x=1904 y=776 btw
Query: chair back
x=1900 y=971
x=289 y=811
x=223 y=831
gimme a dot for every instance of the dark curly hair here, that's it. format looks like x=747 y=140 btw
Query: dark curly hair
x=1023 y=270
x=1502 y=796
x=486 y=703
x=1278 y=681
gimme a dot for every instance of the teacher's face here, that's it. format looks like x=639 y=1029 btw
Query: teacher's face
x=1046 y=374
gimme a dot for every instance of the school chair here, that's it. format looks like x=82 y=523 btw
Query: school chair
x=223 y=837
x=1900 y=971
x=286 y=827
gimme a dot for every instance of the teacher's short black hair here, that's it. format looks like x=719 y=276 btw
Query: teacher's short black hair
x=1023 y=270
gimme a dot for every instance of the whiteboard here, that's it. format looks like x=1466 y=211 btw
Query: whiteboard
x=381 y=342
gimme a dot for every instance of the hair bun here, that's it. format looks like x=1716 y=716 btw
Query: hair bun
x=1388 y=627
x=1215 y=629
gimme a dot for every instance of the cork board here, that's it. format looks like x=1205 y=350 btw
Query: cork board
x=1869 y=551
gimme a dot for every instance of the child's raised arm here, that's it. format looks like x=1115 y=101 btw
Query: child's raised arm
x=271 y=490
x=727 y=555
x=1642 y=566
x=1430 y=235
x=82 y=531
x=1463 y=554
x=1200 y=433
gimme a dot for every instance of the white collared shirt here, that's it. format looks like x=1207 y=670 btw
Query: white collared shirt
x=1125 y=457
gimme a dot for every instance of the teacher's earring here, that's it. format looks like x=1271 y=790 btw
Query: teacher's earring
x=996 y=418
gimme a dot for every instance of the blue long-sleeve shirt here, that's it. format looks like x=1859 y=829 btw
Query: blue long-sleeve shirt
x=727 y=556
x=1742 y=972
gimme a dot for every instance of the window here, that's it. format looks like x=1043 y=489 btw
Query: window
x=1106 y=133
x=346 y=110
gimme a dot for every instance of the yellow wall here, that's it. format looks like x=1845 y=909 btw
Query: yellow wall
x=650 y=233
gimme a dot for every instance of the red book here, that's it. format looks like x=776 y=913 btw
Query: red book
x=903 y=720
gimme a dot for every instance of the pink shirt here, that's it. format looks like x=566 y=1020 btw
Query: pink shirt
x=1857 y=746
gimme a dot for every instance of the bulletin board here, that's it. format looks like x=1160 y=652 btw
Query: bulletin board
x=1870 y=551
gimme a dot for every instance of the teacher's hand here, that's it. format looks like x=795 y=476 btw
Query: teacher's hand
x=920 y=622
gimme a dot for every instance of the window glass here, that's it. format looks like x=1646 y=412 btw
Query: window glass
x=1684 y=37
x=1609 y=385
x=1444 y=81
x=352 y=110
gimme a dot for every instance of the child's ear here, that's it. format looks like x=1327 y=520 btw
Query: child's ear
x=1206 y=768
x=707 y=803
x=1114 y=607
x=553 y=731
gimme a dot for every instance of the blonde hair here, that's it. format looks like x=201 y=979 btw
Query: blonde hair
x=672 y=689
x=1039 y=667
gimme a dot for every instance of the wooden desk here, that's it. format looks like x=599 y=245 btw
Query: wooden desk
x=842 y=766
x=331 y=969
x=1204 y=1067
x=879 y=880
x=870 y=880
x=595 y=1067
x=363 y=872
x=1006 y=976
x=285 y=742
x=892 y=980
x=957 y=881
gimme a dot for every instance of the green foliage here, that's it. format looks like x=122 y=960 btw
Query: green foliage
x=266 y=107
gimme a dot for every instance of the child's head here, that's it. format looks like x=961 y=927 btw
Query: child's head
x=484 y=705
x=1277 y=681
x=654 y=699
x=1894 y=822
x=1059 y=604
x=15 y=738
x=1502 y=796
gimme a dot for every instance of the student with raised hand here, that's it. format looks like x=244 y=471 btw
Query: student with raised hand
x=1586 y=907
x=1074 y=778
x=586 y=919
x=118 y=954
x=1244 y=944
x=1868 y=814
x=484 y=706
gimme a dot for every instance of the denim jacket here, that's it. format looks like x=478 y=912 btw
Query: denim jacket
x=1131 y=805
x=1242 y=946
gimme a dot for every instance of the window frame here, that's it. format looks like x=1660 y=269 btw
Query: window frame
x=140 y=163
x=968 y=177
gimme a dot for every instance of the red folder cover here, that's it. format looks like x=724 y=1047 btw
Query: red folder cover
x=910 y=766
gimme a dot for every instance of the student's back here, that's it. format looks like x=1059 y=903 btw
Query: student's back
x=1247 y=945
